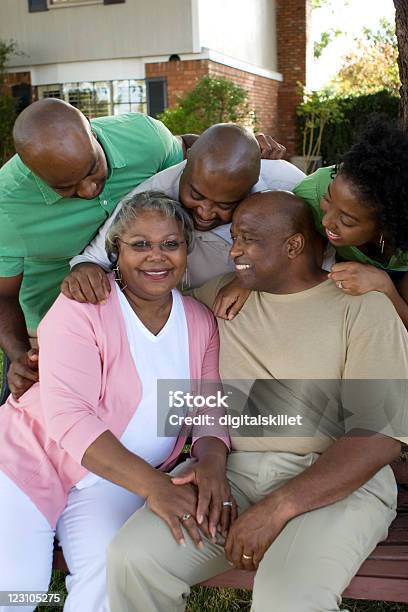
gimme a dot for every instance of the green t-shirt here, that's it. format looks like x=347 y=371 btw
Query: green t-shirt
x=40 y=231
x=312 y=190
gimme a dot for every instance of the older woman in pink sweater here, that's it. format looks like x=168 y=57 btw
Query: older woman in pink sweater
x=79 y=453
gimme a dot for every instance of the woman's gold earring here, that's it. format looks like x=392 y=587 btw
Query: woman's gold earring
x=118 y=277
x=382 y=243
x=185 y=282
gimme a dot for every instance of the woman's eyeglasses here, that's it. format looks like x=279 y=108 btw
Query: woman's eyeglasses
x=143 y=246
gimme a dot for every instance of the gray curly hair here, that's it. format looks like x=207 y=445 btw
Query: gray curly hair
x=139 y=203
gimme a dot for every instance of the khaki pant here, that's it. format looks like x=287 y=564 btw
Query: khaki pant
x=306 y=569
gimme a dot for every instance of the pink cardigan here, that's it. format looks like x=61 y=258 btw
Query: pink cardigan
x=89 y=385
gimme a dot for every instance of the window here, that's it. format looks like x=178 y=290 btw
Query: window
x=59 y=3
x=100 y=98
x=156 y=96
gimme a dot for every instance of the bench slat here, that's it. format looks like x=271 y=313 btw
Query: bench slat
x=398 y=532
x=384 y=569
x=234 y=579
x=386 y=552
x=385 y=589
x=400 y=469
x=403 y=501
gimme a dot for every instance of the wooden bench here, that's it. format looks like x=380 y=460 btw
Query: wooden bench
x=383 y=576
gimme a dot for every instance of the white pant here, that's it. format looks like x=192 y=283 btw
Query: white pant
x=90 y=520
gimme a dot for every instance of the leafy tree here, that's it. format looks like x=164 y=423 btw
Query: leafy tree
x=401 y=21
x=213 y=100
x=319 y=3
x=372 y=66
x=7 y=105
x=325 y=39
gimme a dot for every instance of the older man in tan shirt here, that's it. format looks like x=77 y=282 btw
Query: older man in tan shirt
x=313 y=501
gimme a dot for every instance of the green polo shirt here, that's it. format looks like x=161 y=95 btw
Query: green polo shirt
x=40 y=231
x=312 y=190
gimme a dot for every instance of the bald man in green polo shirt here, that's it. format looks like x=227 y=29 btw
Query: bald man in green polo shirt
x=66 y=180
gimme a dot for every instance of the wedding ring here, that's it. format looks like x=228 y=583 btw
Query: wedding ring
x=227 y=503
x=339 y=284
x=185 y=517
x=247 y=557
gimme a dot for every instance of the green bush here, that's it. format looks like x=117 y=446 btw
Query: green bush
x=213 y=100
x=354 y=112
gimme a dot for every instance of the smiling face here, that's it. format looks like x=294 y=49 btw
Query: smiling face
x=151 y=275
x=346 y=220
x=259 y=248
x=210 y=197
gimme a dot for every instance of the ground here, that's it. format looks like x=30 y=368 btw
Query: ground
x=229 y=600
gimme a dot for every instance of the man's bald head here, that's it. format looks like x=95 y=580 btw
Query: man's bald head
x=55 y=141
x=227 y=149
x=280 y=211
x=222 y=167
x=273 y=243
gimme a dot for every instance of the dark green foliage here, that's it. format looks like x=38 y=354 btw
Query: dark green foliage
x=339 y=135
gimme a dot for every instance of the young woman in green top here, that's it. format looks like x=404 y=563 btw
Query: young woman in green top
x=361 y=207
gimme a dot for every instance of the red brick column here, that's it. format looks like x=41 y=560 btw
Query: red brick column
x=292 y=21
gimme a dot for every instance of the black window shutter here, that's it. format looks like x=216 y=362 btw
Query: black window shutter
x=156 y=96
x=37 y=5
x=113 y=1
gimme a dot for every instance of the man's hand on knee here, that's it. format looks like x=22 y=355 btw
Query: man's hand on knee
x=86 y=282
x=253 y=533
x=23 y=373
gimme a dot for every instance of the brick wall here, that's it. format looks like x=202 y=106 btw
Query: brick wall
x=16 y=78
x=263 y=94
x=292 y=23
x=182 y=76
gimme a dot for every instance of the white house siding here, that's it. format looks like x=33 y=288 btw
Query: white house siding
x=242 y=29
x=135 y=29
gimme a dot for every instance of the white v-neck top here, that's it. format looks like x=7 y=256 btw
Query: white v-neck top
x=164 y=356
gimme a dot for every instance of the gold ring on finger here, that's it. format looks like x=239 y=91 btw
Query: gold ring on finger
x=185 y=517
x=247 y=557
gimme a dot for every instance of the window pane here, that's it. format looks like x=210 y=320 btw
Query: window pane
x=121 y=92
x=80 y=95
x=120 y=109
x=49 y=91
x=137 y=92
x=102 y=99
x=138 y=108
